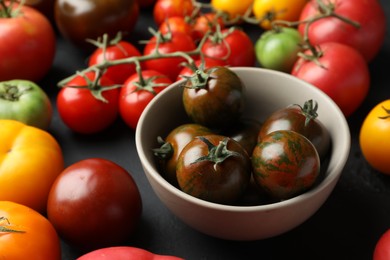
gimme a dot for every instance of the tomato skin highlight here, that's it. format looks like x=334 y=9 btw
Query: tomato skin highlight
x=38 y=239
x=368 y=38
x=285 y=164
x=18 y=59
x=330 y=76
x=94 y=203
x=374 y=137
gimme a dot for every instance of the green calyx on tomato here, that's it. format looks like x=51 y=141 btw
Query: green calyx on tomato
x=217 y=153
x=309 y=110
x=165 y=151
x=6 y=10
x=387 y=112
x=5 y=226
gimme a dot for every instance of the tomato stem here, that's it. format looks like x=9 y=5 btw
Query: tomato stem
x=4 y=222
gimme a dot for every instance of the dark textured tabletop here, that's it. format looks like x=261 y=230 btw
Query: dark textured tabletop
x=346 y=227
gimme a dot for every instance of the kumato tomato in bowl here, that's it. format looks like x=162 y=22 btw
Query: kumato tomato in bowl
x=254 y=212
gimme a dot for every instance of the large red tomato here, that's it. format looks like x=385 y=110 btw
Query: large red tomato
x=336 y=61
x=27 y=43
x=367 y=38
x=94 y=203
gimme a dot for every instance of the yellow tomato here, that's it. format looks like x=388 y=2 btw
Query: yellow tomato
x=26 y=234
x=375 y=137
x=232 y=7
x=30 y=160
x=270 y=10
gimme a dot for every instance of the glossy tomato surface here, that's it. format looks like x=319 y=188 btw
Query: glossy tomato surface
x=30 y=161
x=215 y=168
x=19 y=60
x=26 y=234
x=89 y=19
x=164 y=9
x=94 y=203
x=285 y=164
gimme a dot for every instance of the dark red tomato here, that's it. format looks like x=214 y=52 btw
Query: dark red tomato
x=285 y=164
x=207 y=63
x=172 y=146
x=167 y=44
x=94 y=203
x=82 y=110
x=245 y=132
x=301 y=119
x=176 y=24
x=136 y=94
x=217 y=101
x=367 y=38
x=330 y=75
x=119 y=50
x=214 y=168
x=27 y=43
x=231 y=44
x=90 y=19
x=124 y=253
x=207 y=23
x=168 y=8
x=382 y=247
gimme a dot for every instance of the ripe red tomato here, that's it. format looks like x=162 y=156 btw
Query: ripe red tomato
x=83 y=112
x=368 y=38
x=205 y=23
x=90 y=19
x=382 y=247
x=136 y=94
x=94 y=203
x=125 y=253
x=168 y=8
x=233 y=45
x=176 y=24
x=26 y=234
x=27 y=43
x=330 y=76
x=118 y=50
x=167 y=44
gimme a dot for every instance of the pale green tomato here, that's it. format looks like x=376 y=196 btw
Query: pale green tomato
x=277 y=49
x=26 y=102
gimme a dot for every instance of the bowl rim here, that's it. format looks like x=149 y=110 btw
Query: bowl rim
x=325 y=182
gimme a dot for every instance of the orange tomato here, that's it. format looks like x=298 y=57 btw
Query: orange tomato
x=30 y=160
x=233 y=8
x=375 y=138
x=270 y=10
x=26 y=234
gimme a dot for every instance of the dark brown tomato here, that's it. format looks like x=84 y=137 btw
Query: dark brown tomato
x=245 y=132
x=285 y=164
x=44 y=6
x=302 y=120
x=214 y=168
x=90 y=19
x=217 y=100
x=172 y=146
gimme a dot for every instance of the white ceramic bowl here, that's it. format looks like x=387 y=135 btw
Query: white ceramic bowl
x=266 y=91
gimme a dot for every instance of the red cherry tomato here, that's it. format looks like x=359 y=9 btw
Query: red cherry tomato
x=135 y=95
x=169 y=66
x=120 y=50
x=168 y=8
x=176 y=24
x=83 y=112
x=382 y=247
x=206 y=23
x=233 y=45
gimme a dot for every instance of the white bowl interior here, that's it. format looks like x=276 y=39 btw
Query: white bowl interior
x=266 y=91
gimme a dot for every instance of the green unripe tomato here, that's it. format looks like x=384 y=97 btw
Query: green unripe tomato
x=25 y=101
x=277 y=49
